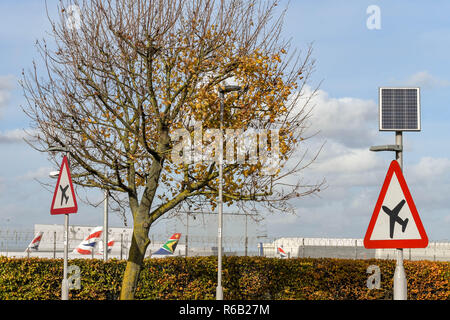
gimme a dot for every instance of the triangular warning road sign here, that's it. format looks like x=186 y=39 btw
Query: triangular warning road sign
x=64 y=201
x=395 y=222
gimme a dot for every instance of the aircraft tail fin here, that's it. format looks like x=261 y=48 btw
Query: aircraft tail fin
x=281 y=252
x=34 y=244
x=110 y=246
x=87 y=245
x=169 y=247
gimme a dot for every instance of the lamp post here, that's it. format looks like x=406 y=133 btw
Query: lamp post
x=222 y=91
x=105 y=227
x=105 y=221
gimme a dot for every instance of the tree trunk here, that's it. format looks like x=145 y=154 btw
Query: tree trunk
x=141 y=221
x=138 y=247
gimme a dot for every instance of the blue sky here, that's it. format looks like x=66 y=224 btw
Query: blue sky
x=411 y=49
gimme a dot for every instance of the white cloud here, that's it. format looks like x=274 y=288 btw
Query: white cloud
x=429 y=182
x=352 y=172
x=6 y=85
x=341 y=159
x=354 y=175
x=349 y=126
x=349 y=121
x=42 y=172
x=430 y=168
x=15 y=135
x=424 y=79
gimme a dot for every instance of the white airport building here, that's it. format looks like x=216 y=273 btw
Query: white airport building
x=52 y=246
x=351 y=249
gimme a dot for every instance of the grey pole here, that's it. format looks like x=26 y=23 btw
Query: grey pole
x=303 y=247
x=186 y=249
x=219 y=289
x=105 y=228
x=121 y=242
x=54 y=244
x=65 y=284
x=400 y=284
x=246 y=236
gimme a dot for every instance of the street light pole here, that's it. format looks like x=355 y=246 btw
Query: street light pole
x=186 y=249
x=105 y=227
x=219 y=289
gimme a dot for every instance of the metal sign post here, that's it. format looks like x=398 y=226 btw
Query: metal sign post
x=399 y=110
x=400 y=284
x=65 y=283
x=64 y=202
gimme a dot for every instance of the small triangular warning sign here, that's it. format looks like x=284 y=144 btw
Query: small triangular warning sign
x=64 y=201
x=395 y=222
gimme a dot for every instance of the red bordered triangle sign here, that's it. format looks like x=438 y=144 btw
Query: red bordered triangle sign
x=395 y=222
x=64 y=201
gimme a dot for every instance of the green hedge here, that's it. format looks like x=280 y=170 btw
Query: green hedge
x=243 y=278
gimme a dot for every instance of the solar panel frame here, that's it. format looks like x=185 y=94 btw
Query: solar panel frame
x=399 y=115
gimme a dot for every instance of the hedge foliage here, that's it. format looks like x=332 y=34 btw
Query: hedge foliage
x=243 y=278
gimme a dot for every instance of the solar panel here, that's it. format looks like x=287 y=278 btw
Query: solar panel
x=399 y=109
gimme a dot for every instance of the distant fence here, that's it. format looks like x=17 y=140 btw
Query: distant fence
x=319 y=248
x=351 y=249
x=435 y=251
x=14 y=241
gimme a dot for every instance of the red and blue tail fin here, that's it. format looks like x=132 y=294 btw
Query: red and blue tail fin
x=110 y=246
x=87 y=245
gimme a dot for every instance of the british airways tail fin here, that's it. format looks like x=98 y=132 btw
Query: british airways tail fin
x=110 y=245
x=169 y=247
x=87 y=245
x=34 y=244
x=281 y=253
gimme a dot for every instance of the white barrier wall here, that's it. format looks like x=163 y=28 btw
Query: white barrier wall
x=351 y=249
x=345 y=248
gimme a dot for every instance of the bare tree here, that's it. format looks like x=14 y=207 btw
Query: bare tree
x=120 y=81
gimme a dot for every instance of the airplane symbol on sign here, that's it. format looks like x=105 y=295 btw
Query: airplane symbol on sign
x=393 y=217
x=63 y=196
